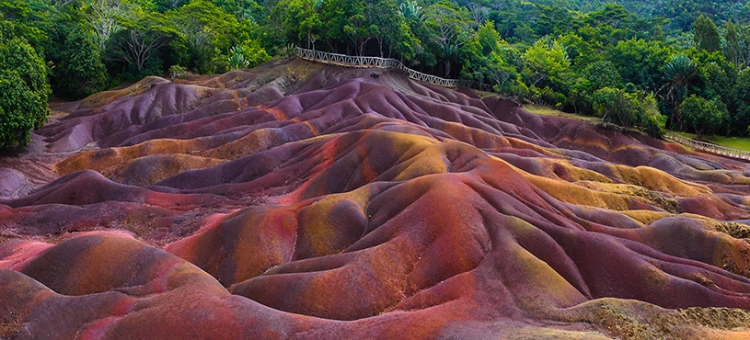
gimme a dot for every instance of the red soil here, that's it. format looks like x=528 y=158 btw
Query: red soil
x=300 y=201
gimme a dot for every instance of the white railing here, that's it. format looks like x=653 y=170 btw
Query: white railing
x=386 y=63
x=708 y=147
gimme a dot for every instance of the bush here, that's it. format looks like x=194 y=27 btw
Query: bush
x=177 y=71
x=237 y=59
x=24 y=90
x=648 y=117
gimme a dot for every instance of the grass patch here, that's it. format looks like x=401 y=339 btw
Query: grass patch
x=550 y=111
x=740 y=143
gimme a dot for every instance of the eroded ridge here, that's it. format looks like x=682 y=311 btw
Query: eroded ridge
x=301 y=201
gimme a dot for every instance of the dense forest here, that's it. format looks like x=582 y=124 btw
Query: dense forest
x=672 y=64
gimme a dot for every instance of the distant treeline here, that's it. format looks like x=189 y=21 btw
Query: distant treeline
x=663 y=64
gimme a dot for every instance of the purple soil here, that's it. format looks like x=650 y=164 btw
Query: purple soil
x=301 y=201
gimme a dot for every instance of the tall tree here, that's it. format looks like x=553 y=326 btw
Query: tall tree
x=732 y=46
x=80 y=71
x=104 y=17
x=544 y=62
x=706 y=35
x=389 y=27
x=303 y=22
x=451 y=28
x=208 y=32
x=141 y=39
x=679 y=74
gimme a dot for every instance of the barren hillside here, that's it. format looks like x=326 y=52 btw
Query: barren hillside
x=296 y=200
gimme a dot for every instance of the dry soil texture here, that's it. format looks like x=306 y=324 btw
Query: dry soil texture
x=301 y=201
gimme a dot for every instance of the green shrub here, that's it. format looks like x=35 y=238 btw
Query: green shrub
x=177 y=71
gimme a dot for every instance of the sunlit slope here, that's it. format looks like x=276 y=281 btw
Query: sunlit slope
x=301 y=201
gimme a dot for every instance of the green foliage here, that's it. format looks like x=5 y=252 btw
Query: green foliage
x=254 y=53
x=741 y=117
x=703 y=115
x=732 y=45
x=648 y=118
x=706 y=35
x=489 y=59
x=32 y=20
x=545 y=63
x=23 y=88
x=449 y=27
x=241 y=9
x=208 y=33
x=237 y=60
x=678 y=75
x=640 y=62
x=140 y=40
x=613 y=106
x=177 y=71
x=80 y=71
x=715 y=82
x=629 y=109
x=596 y=76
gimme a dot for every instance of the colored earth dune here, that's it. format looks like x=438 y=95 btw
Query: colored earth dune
x=302 y=201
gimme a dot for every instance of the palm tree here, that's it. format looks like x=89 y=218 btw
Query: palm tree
x=678 y=74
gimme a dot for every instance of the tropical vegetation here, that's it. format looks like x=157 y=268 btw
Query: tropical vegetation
x=648 y=64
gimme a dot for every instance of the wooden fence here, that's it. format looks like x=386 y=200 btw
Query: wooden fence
x=708 y=147
x=386 y=63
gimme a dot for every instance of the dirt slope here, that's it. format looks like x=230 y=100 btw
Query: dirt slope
x=295 y=200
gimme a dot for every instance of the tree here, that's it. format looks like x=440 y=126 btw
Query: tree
x=237 y=60
x=706 y=35
x=23 y=88
x=208 y=32
x=241 y=9
x=679 y=74
x=165 y=5
x=411 y=10
x=595 y=76
x=104 y=15
x=629 y=109
x=640 y=62
x=582 y=52
x=702 y=115
x=545 y=62
x=359 y=29
x=613 y=106
x=80 y=71
x=450 y=27
x=714 y=83
x=303 y=19
x=741 y=118
x=141 y=39
x=488 y=58
x=388 y=27
x=648 y=118
x=32 y=20
x=732 y=46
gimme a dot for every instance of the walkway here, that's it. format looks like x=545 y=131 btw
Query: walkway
x=386 y=63
x=708 y=147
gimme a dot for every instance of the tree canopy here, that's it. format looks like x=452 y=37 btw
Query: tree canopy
x=556 y=52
